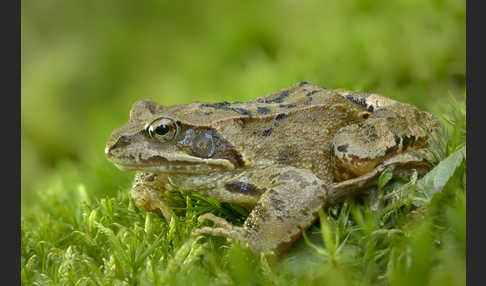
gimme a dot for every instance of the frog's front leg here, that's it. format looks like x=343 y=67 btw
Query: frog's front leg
x=289 y=205
x=148 y=193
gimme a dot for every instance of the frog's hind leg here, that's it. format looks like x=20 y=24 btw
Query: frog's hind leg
x=401 y=165
x=280 y=216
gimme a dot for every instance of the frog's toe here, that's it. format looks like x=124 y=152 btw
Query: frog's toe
x=215 y=219
x=233 y=233
x=226 y=229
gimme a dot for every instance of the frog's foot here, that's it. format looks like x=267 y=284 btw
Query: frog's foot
x=226 y=229
x=148 y=193
x=152 y=200
x=402 y=165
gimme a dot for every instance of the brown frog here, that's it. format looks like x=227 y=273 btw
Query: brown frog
x=287 y=155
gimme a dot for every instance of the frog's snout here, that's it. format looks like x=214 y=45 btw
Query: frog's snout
x=115 y=144
x=107 y=150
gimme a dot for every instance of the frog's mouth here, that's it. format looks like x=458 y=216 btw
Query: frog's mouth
x=173 y=164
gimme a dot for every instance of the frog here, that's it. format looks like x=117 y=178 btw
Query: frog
x=284 y=156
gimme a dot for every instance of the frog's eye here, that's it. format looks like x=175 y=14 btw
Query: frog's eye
x=163 y=128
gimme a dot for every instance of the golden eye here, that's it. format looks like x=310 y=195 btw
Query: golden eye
x=163 y=128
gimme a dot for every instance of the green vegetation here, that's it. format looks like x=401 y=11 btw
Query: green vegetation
x=84 y=64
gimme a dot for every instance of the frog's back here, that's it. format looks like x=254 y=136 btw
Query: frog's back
x=301 y=96
x=293 y=126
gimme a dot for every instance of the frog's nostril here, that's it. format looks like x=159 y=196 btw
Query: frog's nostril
x=123 y=139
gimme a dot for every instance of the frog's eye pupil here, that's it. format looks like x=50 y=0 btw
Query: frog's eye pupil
x=162 y=129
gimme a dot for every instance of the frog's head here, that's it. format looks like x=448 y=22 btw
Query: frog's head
x=157 y=139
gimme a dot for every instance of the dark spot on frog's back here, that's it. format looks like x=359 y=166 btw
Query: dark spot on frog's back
x=287 y=105
x=362 y=101
x=263 y=110
x=281 y=116
x=280 y=98
x=217 y=105
x=302 y=83
x=243 y=188
x=267 y=132
x=227 y=106
x=242 y=111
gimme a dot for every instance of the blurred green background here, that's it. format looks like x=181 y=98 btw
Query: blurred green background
x=84 y=63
